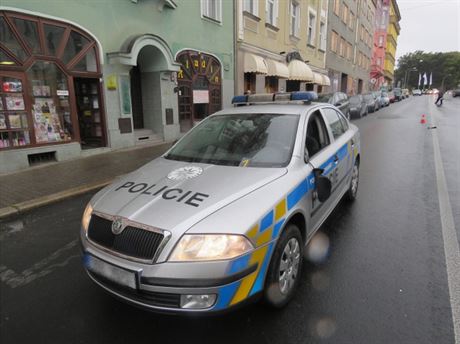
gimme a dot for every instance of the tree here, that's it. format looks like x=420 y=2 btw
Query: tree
x=444 y=66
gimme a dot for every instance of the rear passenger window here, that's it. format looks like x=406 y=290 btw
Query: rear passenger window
x=333 y=119
x=317 y=137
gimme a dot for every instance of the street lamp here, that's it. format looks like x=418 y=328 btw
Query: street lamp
x=407 y=75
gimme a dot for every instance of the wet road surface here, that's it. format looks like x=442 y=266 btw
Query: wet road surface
x=384 y=279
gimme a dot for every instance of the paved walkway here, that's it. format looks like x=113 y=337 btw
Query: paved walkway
x=41 y=185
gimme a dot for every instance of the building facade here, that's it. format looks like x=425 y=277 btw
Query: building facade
x=281 y=46
x=393 y=30
x=382 y=15
x=80 y=78
x=350 y=39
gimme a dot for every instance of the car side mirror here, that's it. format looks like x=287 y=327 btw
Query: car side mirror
x=323 y=185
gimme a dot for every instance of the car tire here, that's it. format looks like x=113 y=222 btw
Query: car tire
x=354 y=183
x=288 y=254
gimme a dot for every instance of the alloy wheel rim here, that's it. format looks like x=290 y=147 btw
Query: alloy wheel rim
x=289 y=266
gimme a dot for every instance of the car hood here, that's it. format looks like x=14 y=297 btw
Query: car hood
x=174 y=195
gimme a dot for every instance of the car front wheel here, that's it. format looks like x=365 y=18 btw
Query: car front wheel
x=285 y=268
x=354 y=182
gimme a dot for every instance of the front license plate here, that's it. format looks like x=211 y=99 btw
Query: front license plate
x=111 y=272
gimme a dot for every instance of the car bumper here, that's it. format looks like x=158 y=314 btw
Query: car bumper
x=160 y=287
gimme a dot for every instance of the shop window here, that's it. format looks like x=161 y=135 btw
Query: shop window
x=249 y=83
x=53 y=37
x=10 y=41
x=14 y=124
x=50 y=103
x=87 y=63
x=271 y=84
x=75 y=44
x=29 y=31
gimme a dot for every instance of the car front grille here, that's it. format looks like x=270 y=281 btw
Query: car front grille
x=132 y=241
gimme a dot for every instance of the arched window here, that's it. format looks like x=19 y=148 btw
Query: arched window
x=200 y=87
x=49 y=76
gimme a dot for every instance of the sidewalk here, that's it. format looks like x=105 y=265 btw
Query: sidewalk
x=42 y=185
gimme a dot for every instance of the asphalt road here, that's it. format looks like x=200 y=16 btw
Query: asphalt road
x=384 y=280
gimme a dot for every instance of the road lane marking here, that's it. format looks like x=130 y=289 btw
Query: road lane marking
x=449 y=235
x=38 y=270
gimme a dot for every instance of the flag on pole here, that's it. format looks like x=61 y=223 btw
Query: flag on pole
x=425 y=81
x=431 y=78
x=419 y=79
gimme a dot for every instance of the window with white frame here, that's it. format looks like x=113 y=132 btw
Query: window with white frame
x=251 y=6
x=295 y=19
x=311 y=35
x=271 y=11
x=322 y=36
x=212 y=9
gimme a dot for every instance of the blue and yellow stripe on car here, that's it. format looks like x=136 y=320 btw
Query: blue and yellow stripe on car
x=264 y=234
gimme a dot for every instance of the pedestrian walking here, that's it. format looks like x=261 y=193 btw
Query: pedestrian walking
x=440 y=97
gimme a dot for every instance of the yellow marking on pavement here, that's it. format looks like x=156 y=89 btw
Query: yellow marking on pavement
x=247 y=283
x=280 y=210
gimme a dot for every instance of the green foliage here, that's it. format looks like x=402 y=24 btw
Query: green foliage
x=444 y=66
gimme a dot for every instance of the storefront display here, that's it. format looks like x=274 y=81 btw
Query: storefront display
x=38 y=100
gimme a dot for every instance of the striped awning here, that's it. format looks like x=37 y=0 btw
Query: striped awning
x=254 y=64
x=278 y=69
x=326 y=80
x=299 y=70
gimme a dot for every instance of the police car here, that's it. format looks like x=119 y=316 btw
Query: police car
x=225 y=215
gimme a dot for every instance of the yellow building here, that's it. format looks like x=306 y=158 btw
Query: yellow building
x=280 y=45
x=392 y=39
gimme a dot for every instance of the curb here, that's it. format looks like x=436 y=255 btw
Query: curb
x=48 y=199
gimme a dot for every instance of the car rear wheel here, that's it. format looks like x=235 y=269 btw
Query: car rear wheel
x=285 y=268
x=354 y=182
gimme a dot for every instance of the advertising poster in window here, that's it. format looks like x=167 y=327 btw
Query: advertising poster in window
x=15 y=102
x=47 y=125
x=2 y=122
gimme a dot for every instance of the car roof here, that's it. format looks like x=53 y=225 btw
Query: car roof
x=278 y=108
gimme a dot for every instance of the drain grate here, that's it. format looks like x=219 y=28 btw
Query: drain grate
x=41 y=158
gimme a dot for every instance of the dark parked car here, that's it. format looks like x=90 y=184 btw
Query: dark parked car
x=339 y=99
x=392 y=97
x=398 y=94
x=358 y=106
x=456 y=93
x=370 y=102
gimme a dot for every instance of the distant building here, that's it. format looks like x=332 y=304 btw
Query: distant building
x=381 y=21
x=393 y=30
x=281 y=46
x=84 y=77
x=350 y=41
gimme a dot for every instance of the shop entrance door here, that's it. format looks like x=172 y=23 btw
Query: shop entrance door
x=136 y=98
x=88 y=98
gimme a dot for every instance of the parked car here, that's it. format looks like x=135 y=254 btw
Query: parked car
x=370 y=102
x=358 y=106
x=405 y=93
x=377 y=95
x=166 y=236
x=398 y=94
x=456 y=93
x=384 y=99
x=391 y=97
x=338 y=99
x=416 y=92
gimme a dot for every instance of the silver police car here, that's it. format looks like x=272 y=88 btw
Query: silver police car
x=225 y=214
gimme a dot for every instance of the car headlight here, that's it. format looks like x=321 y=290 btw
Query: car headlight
x=199 y=247
x=86 y=217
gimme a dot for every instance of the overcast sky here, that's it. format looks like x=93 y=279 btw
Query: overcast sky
x=429 y=25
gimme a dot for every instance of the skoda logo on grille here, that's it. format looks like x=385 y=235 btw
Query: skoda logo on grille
x=117 y=226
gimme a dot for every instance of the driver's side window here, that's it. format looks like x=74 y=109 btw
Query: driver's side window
x=317 y=136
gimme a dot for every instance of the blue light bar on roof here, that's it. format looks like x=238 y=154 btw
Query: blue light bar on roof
x=305 y=96
x=243 y=99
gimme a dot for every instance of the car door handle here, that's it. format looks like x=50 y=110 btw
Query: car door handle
x=352 y=144
x=336 y=159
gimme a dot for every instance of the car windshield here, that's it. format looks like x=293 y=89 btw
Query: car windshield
x=397 y=91
x=368 y=97
x=355 y=100
x=247 y=140
x=384 y=94
x=324 y=98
